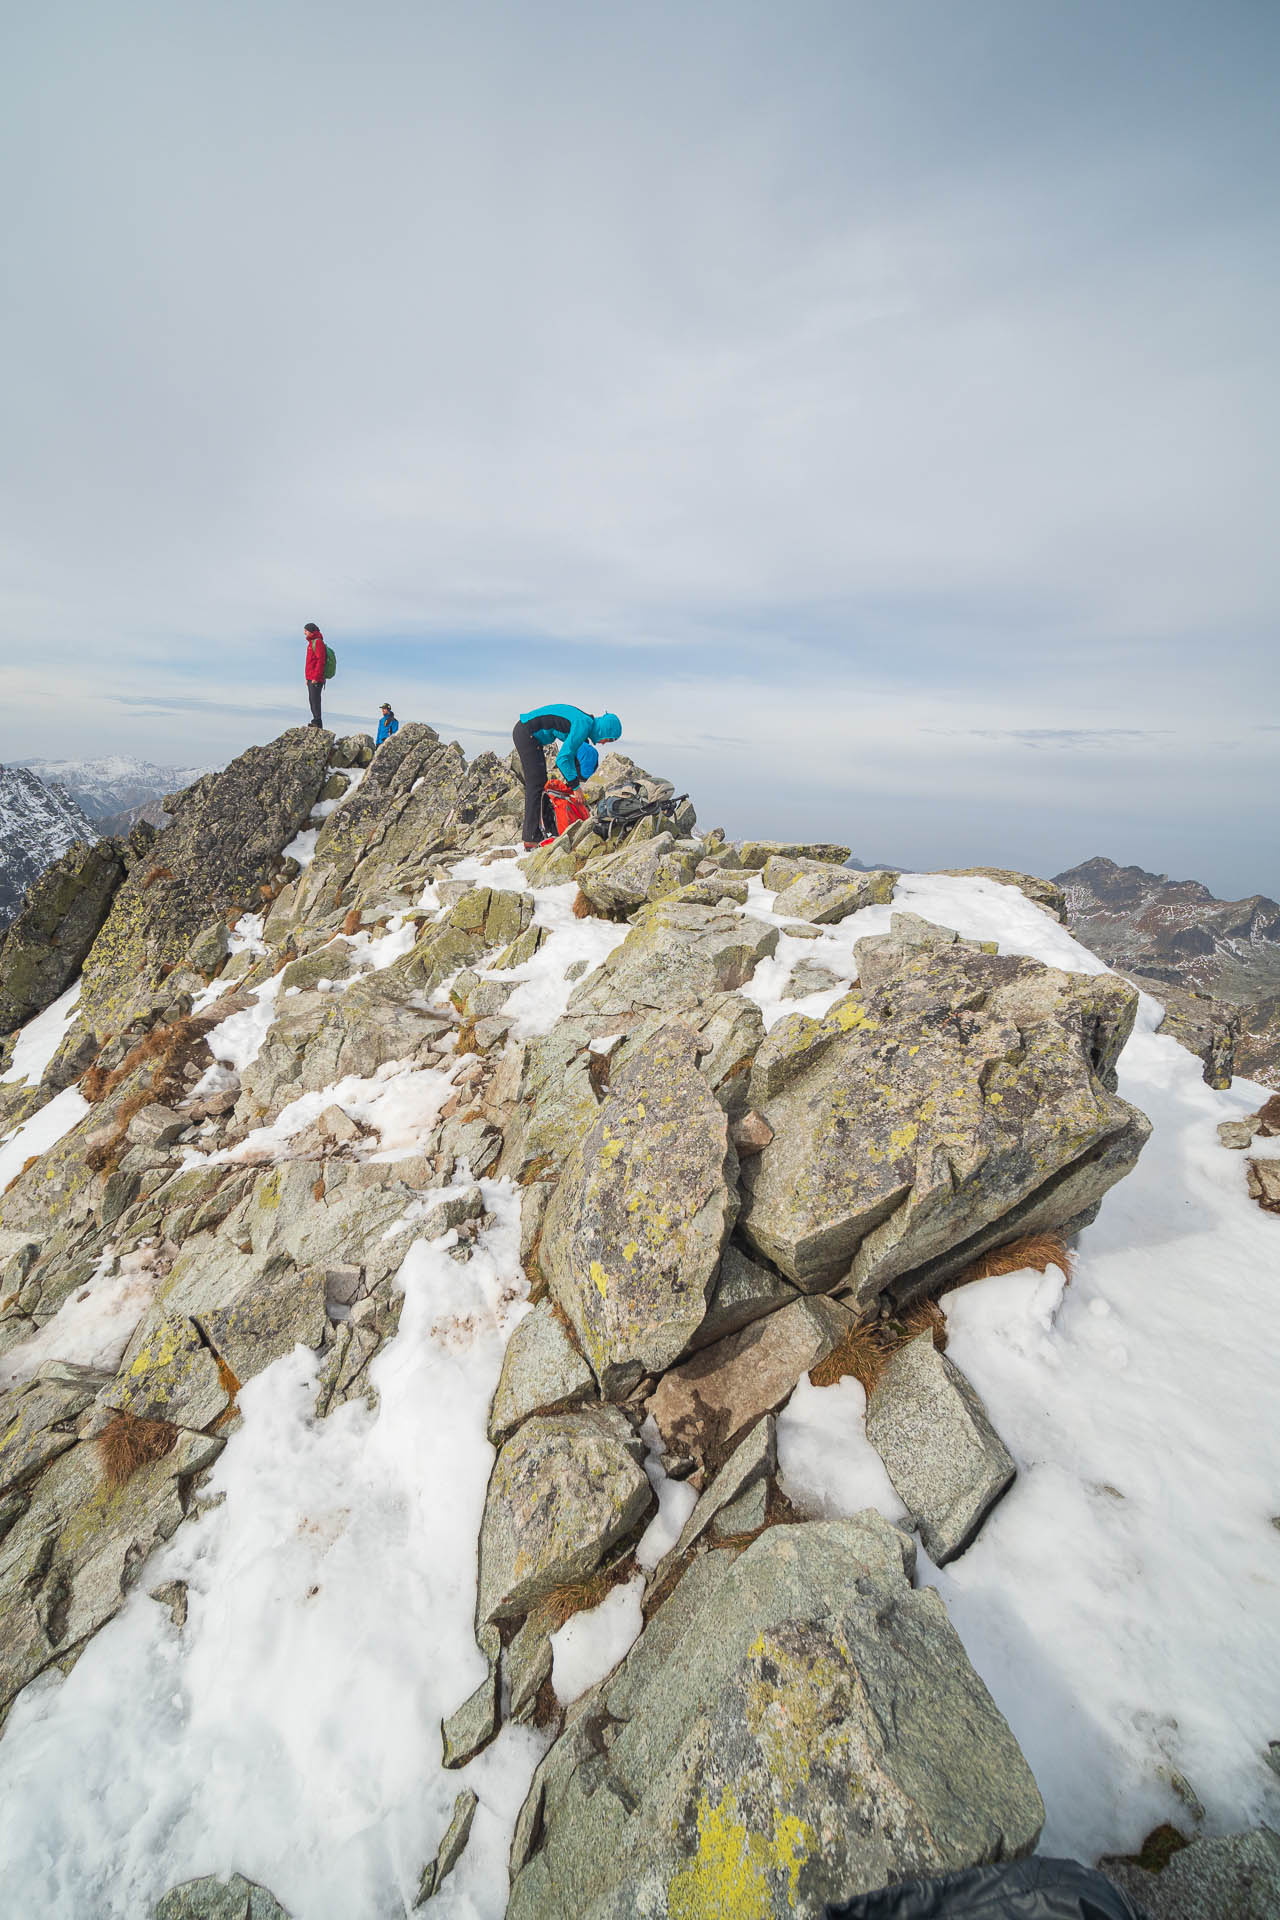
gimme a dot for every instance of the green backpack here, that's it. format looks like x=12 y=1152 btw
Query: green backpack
x=330 y=663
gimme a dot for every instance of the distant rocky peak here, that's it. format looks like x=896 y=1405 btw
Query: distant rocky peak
x=38 y=822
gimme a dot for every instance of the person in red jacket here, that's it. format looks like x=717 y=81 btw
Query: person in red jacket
x=316 y=658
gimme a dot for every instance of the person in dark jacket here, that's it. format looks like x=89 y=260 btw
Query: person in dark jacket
x=537 y=729
x=387 y=725
x=317 y=656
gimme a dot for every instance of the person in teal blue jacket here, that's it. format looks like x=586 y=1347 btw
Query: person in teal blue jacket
x=387 y=725
x=537 y=729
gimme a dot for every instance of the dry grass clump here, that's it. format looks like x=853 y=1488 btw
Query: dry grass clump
x=230 y=1386
x=156 y=873
x=352 y=922
x=582 y=907
x=26 y=1166
x=859 y=1354
x=1038 y=1250
x=578 y=1596
x=865 y=1351
x=128 y=1443
x=172 y=1048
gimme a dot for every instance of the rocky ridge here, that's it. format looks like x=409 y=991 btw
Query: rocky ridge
x=1214 y=963
x=709 y=1208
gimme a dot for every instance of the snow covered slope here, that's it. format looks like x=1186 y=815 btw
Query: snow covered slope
x=268 y=1698
x=37 y=824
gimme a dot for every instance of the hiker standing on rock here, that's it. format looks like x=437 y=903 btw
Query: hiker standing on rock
x=537 y=729
x=387 y=724
x=317 y=659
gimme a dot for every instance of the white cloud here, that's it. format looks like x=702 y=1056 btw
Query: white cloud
x=929 y=350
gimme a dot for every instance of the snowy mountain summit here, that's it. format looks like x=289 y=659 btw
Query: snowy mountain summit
x=659 y=1377
x=114 y=785
x=38 y=823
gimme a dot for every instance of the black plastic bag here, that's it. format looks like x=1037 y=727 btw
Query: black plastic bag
x=1023 y=1890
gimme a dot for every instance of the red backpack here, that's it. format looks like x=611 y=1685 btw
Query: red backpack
x=565 y=805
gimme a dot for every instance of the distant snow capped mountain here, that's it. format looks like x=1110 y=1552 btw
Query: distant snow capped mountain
x=117 y=784
x=37 y=825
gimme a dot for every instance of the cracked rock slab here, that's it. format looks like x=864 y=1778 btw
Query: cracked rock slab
x=953 y=1101
x=214 y=1899
x=703 y=1407
x=68 y=1562
x=564 y=1490
x=542 y=1372
x=636 y=1226
x=796 y=1725
x=947 y=1463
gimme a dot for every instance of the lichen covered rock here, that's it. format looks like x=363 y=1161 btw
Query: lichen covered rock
x=794 y=1726
x=47 y=942
x=636 y=1227
x=676 y=957
x=823 y=895
x=564 y=1489
x=223 y=848
x=946 y=1461
x=620 y=882
x=955 y=1099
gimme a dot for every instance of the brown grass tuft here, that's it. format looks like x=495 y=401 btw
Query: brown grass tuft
x=317 y=1191
x=865 y=1351
x=128 y=1443
x=538 y=1284
x=859 y=1353
x=171 y=1048
x=230 y=1384
x=352 y=922
x=231 y=1387
x=1039 y=1250
x=156 y=873
x=576 y=1596
x=94 y=1084
x=466 y=1041
x=582 y=907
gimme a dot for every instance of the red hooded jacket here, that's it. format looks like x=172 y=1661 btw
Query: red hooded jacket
x=317 y=656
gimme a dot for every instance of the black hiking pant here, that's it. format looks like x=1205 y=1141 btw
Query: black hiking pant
x=314 y=689
x=533 y=771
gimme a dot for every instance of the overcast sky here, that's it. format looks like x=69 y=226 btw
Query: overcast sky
x=875 y=404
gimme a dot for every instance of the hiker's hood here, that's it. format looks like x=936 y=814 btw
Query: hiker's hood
x=606 y=727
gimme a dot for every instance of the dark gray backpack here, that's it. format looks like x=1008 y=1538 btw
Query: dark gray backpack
x=626 y=807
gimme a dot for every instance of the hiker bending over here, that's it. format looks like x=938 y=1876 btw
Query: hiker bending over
x=317 y=658
x=387 y=725
x=537 y=729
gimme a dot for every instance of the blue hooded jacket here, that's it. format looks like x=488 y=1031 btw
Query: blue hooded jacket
x=557 y=720
x=386 y=727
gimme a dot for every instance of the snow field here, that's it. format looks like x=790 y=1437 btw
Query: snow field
x=291 y=1729
x=400 y=1101
x=1122 y=1602
x=43 y=1130
x=93 y=1326
x=40 y=1039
